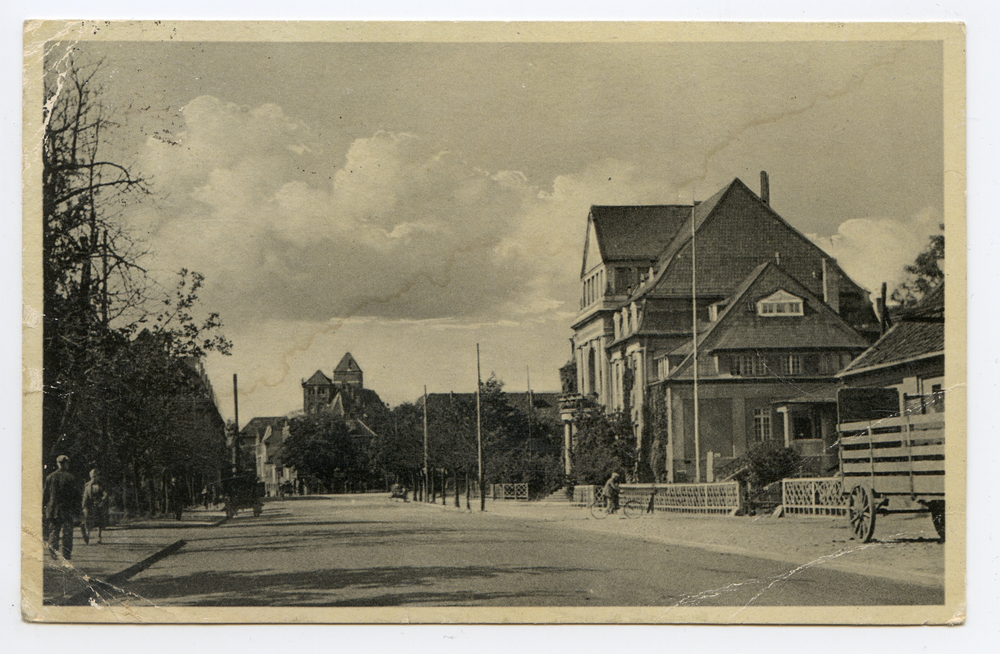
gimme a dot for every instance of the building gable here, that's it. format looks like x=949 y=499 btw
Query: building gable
x=591 y=250
x=347 y=364
x=743 y=327
x=318 y=379
x=736 y=232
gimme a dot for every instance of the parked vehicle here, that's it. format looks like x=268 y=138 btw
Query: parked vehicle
x=891 y=456
x=243 y=491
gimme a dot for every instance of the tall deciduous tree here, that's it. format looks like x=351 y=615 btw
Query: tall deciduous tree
x=925 y=273
x=122 y=386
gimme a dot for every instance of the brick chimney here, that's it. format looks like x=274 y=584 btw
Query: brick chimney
x=765 y=191
x=831 y=284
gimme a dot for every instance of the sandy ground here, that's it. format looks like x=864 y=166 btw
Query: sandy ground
x=905 y=547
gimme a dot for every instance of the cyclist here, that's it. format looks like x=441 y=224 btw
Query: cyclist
x=611 y=489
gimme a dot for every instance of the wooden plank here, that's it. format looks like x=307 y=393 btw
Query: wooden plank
x=891 y=484
x=928 y=484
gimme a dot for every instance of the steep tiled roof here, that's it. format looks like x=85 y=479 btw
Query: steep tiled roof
x=636 y=232
x=683 y=233
x=318 y=378
x=347 y=364
x=919 y=333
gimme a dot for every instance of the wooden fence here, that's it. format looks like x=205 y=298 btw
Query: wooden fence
x=719 y=498
x=816 y=496
x=510 y=491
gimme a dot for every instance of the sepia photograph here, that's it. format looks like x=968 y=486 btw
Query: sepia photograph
x=556 y=323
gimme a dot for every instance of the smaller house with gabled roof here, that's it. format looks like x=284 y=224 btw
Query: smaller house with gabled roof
x=908 y=357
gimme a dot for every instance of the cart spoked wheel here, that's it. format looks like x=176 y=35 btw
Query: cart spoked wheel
x=861 y=511
x=937 y=516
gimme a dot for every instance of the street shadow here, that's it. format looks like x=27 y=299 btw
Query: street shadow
x=172 y=524
x=327 y=587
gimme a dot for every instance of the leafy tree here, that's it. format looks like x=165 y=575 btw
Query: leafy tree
x=604 y=444
x=320 y=445
x=925 y=273
x=122 y=386
x=397 y=449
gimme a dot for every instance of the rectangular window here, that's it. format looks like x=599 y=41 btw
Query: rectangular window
x=747 y=365
x=791 y=364
x=762 y=424
x=663 y=368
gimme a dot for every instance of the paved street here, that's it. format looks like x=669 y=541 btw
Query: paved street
x=369 y=551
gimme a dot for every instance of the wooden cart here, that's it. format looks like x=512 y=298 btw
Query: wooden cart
x=243 y=491
x=892 y=460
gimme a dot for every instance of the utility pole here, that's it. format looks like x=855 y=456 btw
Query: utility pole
x=427 y=475
x=236 y=420
x=694 y=342
x=479 y=432
x=531 y=405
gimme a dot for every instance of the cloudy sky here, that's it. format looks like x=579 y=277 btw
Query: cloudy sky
x=405 y=201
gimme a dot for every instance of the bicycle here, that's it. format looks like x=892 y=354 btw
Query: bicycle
x=629 y=509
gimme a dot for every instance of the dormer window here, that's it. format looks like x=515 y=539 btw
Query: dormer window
x=780 y=304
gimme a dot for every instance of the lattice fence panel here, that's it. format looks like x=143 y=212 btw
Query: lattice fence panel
x=510 y=491
x=686 y=498
x=820 y=496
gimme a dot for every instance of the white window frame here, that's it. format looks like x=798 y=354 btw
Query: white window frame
x=762 y=421
x=791 y=364
x=780 y=304
x=753 y=369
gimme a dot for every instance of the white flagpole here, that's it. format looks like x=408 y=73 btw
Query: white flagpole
x=694 y=340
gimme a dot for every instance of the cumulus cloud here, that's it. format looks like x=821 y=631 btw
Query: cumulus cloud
x=876 y=250
x=395 y=227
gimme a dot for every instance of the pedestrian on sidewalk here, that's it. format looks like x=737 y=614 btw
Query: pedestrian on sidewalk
x=176 y=497
x=611 y=492
x=95 y=507
x=61 y=505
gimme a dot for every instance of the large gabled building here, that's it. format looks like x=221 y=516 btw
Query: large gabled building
x=774 y=316
x=344 y=394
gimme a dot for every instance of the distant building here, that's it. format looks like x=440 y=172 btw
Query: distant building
x=345 y=394
x=776 y=320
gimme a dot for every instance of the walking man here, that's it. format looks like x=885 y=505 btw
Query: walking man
x=61 y=502
x=95 y=507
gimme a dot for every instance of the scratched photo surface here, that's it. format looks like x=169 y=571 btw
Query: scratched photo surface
x=525 y=323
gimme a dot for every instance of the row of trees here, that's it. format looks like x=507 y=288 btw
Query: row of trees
x=123 y=387
x=520 y=445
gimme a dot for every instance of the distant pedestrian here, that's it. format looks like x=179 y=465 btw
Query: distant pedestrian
x=175 y=496
x=204 y=497
x=95 y=507
x=61 y=505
